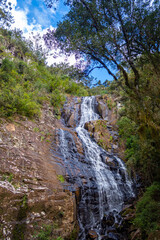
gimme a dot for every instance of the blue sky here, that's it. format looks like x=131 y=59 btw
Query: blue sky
x=34 y=16
x=38 y=12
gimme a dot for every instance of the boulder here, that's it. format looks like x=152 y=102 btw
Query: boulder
x=102 y=109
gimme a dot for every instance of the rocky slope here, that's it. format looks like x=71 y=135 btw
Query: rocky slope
x=31 y=192
x=35 y=198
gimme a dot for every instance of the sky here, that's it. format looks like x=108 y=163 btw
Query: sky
x=34 y=16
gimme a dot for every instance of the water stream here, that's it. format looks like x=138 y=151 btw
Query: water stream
x=103 y=190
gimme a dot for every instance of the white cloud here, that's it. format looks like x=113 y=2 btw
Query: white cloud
x=22 y=23
x=61 y=58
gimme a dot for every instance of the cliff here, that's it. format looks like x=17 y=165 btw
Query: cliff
x=39 y=196
x=31 y=193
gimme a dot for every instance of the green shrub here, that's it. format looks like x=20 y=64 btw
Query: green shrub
x=76 y=89
x=126 y=127
x=61 y=178
x=109 y=104
x=46 y=233
x=21 y=66
x=17 y=101
x=57 y=101
x=148 y=210
x=7 y=65
x=26 y=85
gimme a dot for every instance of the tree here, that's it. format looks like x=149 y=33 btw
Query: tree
x=112 y=34
x=5 y=14
x=72 y=72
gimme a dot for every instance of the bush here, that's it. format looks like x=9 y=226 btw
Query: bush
x=7 y=65
x=25 y=86
x=46 y=233
x=76 y=89
x=17 y=101
x=148 y=210
x=57 y=100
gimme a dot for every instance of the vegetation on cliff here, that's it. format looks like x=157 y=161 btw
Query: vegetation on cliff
x=120 y=34
x=139 y=120
x=124 y=35
x=26 y=83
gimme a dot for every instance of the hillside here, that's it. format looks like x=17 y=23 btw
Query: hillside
x=40 y=109
x=26 y=82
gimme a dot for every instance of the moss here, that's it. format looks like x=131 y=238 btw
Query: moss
x=61 y=178
x=42 y=138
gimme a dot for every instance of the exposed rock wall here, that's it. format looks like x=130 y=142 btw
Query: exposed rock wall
x=31 y=194
x=79 y=171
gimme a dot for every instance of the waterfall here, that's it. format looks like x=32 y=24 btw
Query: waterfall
x=104 y=190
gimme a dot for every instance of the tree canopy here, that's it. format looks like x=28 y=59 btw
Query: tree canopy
x=112 y=34
x=5 y=14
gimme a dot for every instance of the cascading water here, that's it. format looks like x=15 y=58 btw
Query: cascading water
x=103 y=189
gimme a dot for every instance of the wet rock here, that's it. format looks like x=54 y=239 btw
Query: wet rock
x=102 y=108
x=103 y=157
x=90 y=126
x=71 y=121
x=70 y=112
x=92 y=234
x=115 y=147
x=110 y=162
x=110 y=220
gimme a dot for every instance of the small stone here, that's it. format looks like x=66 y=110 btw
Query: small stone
x=115 y=146
x=92 y=234
x=43 y=214
x=11 y=127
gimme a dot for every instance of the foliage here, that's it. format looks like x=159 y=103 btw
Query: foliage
x=128 y=133
x=26 y=83
x=8 y=178
x=111 y=34
x=99 y=90
x=148 y=210
x=139 y=121
x=61 y=178
x=5 y=13
x=126 y=127
x=74 y=233
x=46 y=233
x=72 y=72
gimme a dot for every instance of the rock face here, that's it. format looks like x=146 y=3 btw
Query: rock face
x=104 y=134
x=71 y=111
x=98 y=177
x=31 y=194
x=102 y=108
x=39 y=188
